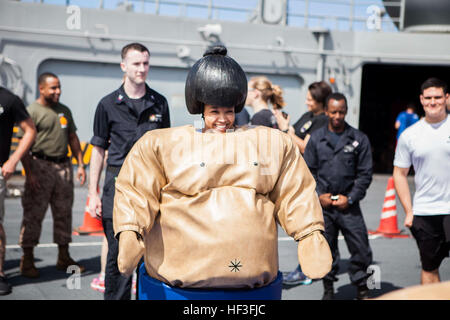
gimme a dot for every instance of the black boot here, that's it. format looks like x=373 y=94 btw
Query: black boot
x=64 y=259
x=328 y=290
x=27 y=267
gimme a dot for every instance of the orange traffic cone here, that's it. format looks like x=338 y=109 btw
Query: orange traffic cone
x=91 y=226
x=388 y=223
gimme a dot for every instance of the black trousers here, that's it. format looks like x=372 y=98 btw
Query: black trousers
x=117 y=287
x=352 y=226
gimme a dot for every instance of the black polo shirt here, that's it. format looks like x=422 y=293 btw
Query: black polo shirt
x=242 y=118
x=119 y=122
x=264 y=117
x=12 y=110
x=308 y=123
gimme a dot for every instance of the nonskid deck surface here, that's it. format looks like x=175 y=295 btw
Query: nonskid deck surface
x=396 y=261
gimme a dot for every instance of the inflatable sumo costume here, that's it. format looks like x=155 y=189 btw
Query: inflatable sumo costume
x=203 y=207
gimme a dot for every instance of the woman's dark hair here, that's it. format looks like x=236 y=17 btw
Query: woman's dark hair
x=320 y=91
x=216 y=49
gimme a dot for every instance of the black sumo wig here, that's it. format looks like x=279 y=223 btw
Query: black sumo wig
x=217 y=80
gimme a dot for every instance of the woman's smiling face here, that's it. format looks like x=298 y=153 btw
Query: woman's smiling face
x=219 y=119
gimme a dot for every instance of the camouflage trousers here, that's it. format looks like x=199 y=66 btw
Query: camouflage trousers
x=55 y=189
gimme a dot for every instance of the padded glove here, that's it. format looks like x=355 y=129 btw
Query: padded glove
x=314 y=255
x=131 y=249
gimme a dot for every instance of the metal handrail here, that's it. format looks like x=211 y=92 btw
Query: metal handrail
x=285 y=49
x=305 y=13
x=193 y=4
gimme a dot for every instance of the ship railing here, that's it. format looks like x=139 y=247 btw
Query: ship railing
x=357 y=15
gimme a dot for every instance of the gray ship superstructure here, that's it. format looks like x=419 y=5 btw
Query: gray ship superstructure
x=379 y=70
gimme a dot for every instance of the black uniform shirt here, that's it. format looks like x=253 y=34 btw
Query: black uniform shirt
x=266 y=118
x=242 y=118
x=308 y=123
x=345 y=168
x=334 y=138
x=12 y=110
x=119 y=122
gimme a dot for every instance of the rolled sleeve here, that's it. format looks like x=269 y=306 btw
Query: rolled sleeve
x=101 y=128
x=99 y=142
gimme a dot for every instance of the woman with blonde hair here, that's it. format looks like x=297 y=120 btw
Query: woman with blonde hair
x=261 y=91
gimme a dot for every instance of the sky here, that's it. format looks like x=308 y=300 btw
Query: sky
x=337 y=11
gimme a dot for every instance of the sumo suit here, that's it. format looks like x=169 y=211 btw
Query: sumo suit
x=203 y=207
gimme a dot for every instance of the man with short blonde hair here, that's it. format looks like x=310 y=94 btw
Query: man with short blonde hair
x=121 y=118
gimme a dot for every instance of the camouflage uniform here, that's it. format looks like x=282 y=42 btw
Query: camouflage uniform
x=56 y=189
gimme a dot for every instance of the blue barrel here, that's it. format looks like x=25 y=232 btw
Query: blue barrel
x=152 y=289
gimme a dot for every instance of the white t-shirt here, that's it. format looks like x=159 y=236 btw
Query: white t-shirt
x=427 y=147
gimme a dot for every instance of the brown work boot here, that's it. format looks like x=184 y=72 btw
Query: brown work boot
x=27 y=267
x=64 y=259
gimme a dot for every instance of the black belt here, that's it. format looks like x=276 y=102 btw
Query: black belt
x=113 y=169
x=49 y=158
